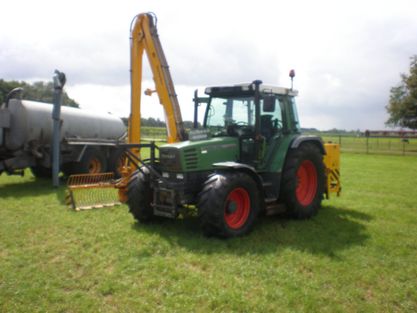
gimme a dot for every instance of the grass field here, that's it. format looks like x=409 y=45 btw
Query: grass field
x=359 y=254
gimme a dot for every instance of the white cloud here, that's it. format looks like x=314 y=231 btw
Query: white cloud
x=347 y=54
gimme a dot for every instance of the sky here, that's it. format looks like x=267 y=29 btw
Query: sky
x=346 y=54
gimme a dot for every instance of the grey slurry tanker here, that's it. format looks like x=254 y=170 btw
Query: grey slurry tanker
x=87 y=139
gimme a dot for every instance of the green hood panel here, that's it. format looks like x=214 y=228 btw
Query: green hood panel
x=188 y=156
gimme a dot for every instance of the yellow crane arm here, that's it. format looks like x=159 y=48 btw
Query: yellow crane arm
x=144 y=37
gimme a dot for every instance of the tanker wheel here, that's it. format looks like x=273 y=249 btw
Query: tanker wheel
x=41 y=171
x=68 y=168
x=92 y=162
x=139 y=196
x=228 y=204
x=116 y=162
x=303 y=181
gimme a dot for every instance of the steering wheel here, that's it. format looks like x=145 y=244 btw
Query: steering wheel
x=277 y=123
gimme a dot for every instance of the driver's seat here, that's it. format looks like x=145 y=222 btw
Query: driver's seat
x=267 y=126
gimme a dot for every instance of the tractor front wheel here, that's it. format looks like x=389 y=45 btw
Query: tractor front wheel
x=303 y=181
x=228 y=204
x=139 y=196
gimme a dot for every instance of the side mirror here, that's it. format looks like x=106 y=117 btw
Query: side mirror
x=197 y=101
x=269 y=104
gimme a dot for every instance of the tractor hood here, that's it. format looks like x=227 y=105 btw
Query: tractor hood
x=190 y=156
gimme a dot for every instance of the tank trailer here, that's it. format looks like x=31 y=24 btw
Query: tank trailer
x=87 y=139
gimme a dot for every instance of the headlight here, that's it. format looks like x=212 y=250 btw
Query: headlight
x=170 y=159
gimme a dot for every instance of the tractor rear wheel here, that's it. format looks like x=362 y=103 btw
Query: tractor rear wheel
x=228 y=205
x=139 y=196
x=303 y=181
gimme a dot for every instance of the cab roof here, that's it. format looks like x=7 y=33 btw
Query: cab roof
x=248 y=89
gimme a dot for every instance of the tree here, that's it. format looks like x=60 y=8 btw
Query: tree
x=402 y=106
x=38 y=91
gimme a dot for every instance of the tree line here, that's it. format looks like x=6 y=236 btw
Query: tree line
x=156 y=122
x=37 y=91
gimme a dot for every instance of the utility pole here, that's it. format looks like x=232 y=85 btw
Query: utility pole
x=59 y=82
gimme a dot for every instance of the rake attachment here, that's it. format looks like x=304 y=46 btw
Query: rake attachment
x=89 y=191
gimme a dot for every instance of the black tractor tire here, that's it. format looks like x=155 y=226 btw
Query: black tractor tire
x=92 y=162
x=41 y=172
x=116 y=162
x=303 y=181
x=228 y=204
x=139 y=196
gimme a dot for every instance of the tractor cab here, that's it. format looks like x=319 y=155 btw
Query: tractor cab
x=257 y=114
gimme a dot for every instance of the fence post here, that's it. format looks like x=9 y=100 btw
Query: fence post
x=340 y=140
x=367 y=145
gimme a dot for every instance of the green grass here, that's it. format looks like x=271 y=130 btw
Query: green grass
x=359 y=254
x=153 y=133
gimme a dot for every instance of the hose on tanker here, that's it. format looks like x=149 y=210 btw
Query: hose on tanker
x=14 y=93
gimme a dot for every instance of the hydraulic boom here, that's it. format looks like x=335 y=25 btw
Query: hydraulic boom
x=144 y=38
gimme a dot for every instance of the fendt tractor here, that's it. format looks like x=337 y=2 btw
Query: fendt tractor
x=246 y=157
x=249 y=155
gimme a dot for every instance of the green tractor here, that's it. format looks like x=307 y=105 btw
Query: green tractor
x=246 y=157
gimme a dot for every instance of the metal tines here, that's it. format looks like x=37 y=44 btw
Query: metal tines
x=89 y=191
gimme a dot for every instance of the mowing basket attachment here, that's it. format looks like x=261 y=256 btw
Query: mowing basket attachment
x=89 y=191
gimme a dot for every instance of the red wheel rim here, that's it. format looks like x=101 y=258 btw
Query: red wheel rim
x=237 y=208
x=95 y=166
x=306 y=182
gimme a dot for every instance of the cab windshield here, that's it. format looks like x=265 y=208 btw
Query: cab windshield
x=225 y=111
x=240 y=111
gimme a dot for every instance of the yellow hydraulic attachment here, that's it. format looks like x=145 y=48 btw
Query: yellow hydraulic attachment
x=87 y=191
x=143 y=38
x=332 y=165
